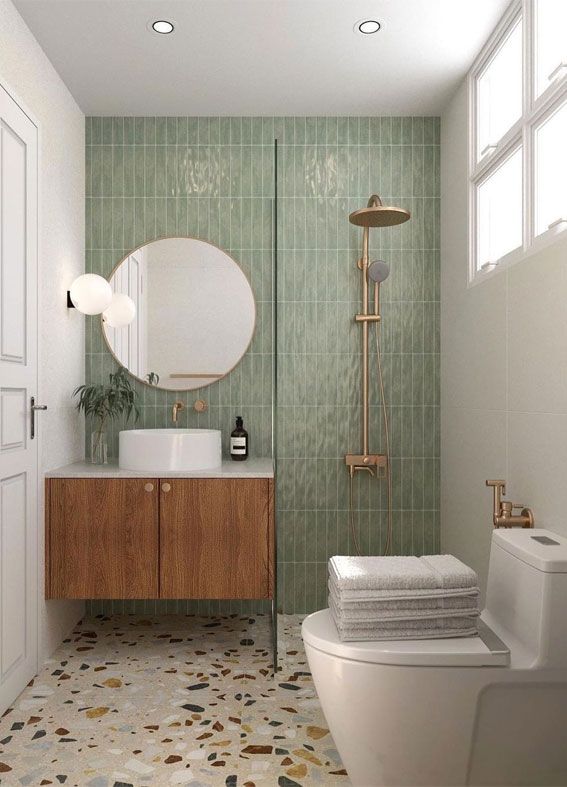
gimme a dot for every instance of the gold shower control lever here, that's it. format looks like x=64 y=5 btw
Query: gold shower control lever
x=503 y=510
x=356 y=462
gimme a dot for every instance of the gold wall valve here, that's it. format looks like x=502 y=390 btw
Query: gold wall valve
x=503 y=510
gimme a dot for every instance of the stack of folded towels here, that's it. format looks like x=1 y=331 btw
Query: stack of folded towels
x=376 y=598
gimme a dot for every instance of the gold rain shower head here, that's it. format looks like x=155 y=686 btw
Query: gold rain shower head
x=378 y=215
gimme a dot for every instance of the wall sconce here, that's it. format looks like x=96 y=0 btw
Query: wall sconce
x=89 y=294
x=92 y=294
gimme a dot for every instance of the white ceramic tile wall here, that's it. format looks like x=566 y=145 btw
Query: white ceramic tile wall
x=26 y=72
x=503 y=372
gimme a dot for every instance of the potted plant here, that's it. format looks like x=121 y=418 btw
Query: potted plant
x=103 y=403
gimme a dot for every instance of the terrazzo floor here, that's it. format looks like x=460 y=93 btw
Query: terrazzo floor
x=174 y=700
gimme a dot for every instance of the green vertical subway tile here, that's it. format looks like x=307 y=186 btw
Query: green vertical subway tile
x=353 y=125
x=150 y=131
x=403 y=130
x=128 y=171
x=117 y=131
x=192 y=131
x=395 y=186
x=272 y=130
x=235 y=131
x=363 y=131
x=335 y=163
x=171 y=131
x=410 y=180
x=429 y=131
x=418 y=164
x=160 y=217
x=160 y=170
x=161 y=131
x=138 y=131
x=107 y=175
x=149 y=154
x=437 y=130
x=95 y=130
x=117 y=169
x=374 y=131
x=171 y=174
x=171 y=217
x=128 y=234
x=342 y=130
x=106 y=132
x=297 y=131
x=138 y=170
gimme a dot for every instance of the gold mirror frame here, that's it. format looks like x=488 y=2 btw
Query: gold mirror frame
x=215 y=246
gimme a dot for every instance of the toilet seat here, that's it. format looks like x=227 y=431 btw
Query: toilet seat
x=320 y=632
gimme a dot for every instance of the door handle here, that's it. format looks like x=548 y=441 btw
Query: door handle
x=33 y=408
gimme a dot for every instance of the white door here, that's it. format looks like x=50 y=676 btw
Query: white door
x=18 y=383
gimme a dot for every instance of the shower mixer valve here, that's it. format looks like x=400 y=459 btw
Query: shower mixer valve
x=368 y=462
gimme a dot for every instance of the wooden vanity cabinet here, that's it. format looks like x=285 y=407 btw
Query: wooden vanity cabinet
x=102 y=538
x=160 y=538
x=215 y=538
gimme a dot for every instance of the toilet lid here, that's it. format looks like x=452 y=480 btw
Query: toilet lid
x=319 y=631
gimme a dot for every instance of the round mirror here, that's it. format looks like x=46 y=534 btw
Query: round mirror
x=195 y=313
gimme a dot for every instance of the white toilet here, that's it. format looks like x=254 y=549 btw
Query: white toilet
x=487 y=710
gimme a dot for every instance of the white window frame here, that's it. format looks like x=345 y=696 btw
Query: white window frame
x=534 y=113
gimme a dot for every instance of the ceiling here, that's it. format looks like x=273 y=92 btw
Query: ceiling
x=261 y=57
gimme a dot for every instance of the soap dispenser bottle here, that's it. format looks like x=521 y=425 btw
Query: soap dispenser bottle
x=239 y=441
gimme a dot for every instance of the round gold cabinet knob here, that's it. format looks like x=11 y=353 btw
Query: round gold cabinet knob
x=165 y=487
x=149 y=487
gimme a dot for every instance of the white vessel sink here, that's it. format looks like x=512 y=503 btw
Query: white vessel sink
x=156 y=450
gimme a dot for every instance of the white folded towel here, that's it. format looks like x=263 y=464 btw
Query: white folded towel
x=376 y=635
x=373 y=617
x=395 y=575
x=348 y=600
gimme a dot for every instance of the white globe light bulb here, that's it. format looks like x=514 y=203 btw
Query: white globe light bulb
x=90 y=293
x=121 y=311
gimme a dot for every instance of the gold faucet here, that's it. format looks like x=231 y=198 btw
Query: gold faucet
x=503 y=511
x=175 y=411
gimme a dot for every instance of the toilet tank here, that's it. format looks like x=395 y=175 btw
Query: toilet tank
x=526 y=595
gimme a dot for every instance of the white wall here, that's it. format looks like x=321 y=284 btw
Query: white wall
x=26 y=72
x=503 y=372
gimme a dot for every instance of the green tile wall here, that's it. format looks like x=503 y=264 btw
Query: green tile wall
x=213 y=178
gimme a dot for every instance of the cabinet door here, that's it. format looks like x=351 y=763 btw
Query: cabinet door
x=215 y=538
x=103 y=538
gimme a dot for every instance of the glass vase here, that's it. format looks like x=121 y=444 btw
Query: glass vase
x=99 y=447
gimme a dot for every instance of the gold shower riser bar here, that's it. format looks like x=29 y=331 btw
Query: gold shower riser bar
x=374 y=215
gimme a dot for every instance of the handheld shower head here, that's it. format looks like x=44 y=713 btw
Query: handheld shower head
x=378 y=271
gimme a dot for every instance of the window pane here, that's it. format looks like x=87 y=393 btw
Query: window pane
x=499 y=206
x=551 y=170
x=551 y=42
x=500 y=92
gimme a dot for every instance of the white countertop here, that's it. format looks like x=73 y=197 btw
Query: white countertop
x=250 y=468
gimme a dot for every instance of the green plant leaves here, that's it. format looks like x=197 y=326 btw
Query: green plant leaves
x=109 y=401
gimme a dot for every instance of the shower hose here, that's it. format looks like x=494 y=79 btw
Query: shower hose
x=355 y=538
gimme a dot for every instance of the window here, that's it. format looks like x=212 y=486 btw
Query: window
x=551 y=171
x=518 y=161
x=550 y=42
x=500 y=92
x=500 y=211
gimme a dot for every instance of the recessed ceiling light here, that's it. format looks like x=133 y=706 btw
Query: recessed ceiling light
x=367 y=26
x=163 y=26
